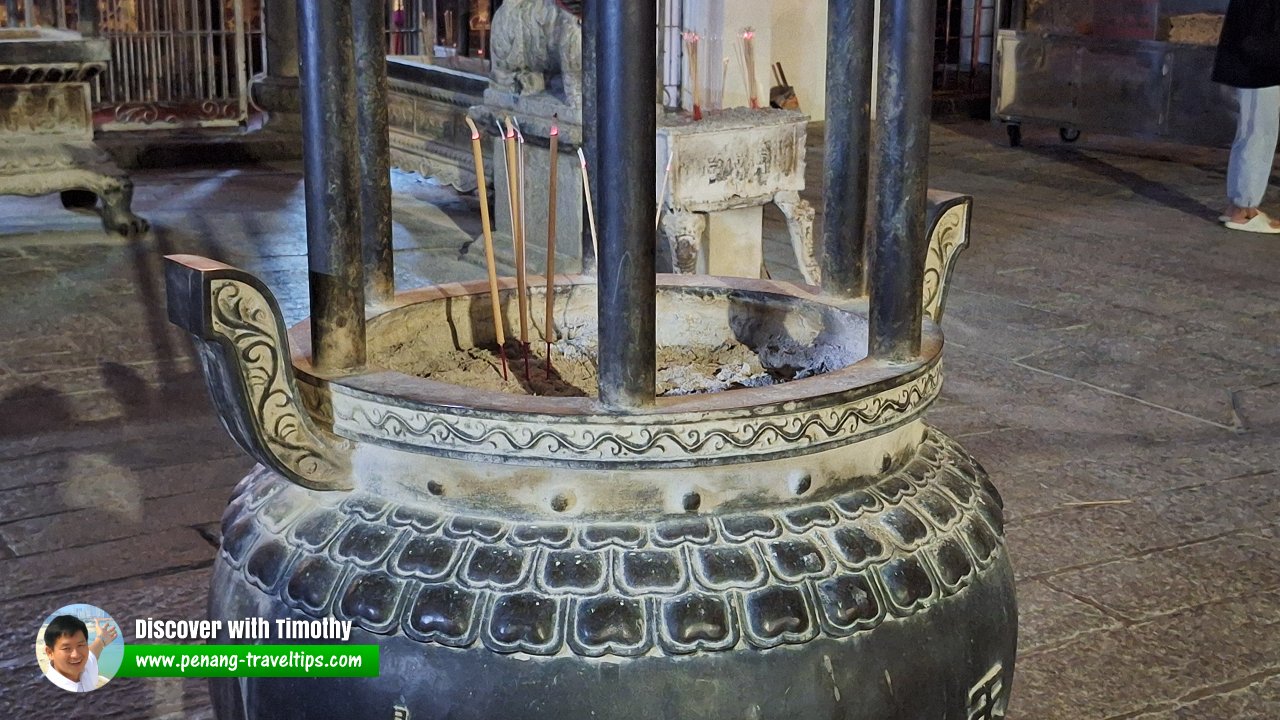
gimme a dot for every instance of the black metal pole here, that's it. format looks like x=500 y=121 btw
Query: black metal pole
x=370 y=17
x=11 y=13
x=851 y=28
x=590 y=26
x=331 y=154
x=902 y=150
x=626 y=74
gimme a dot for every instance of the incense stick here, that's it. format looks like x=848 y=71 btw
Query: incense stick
x=591 y=213
x=691 y=52
x=724 y=80
x=662 y=189
x=551 y=243
x=749 y=60
x=490 y=261
x=522 y=277
x=509 y=163
x=508 y=139
x=742 y=66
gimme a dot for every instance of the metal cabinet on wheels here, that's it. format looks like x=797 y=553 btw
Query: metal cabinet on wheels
x=1126 y=67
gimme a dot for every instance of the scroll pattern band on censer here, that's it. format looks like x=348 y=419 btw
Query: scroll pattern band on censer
x=697 y=441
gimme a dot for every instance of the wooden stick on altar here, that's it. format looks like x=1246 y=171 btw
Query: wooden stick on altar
x=551 y=243
x=489 y=259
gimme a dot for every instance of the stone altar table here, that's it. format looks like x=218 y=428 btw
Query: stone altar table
x=427 y=110
x=46 y=128
x=724 y=169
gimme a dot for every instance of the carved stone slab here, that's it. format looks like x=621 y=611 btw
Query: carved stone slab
x=732 y=159
x=426 y=112
x=46 y=110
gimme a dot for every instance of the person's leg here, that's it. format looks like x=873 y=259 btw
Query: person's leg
x=1253 y=152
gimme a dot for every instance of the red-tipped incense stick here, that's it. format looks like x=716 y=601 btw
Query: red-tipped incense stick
x=691 y=52
x=662 y=190
x=749 y=61
x=509 y=143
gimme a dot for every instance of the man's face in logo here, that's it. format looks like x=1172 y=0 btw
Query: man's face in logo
x=68 y=654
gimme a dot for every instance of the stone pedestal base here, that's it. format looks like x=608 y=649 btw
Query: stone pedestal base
x=280 y=97
x=735 y=242
x=46 y=146
x=426 y=114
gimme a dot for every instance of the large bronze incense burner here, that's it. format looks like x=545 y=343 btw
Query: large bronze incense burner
x=750 y=520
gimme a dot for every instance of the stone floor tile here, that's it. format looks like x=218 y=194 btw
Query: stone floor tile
x=87 y=480
x=99 y=512
x=1018 y=395
x=1006 y=329
x=1105 y=674
x=1259 y=407
x=1259 y=700
x=1170 y=581
x=1158 y=373
x=1048 y=618
x=133 y=448
x=1088 y=535
x=68 y=570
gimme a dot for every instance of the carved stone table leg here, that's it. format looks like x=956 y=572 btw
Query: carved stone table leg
x=46 y=146
x=116 y=209
x=75 y=171
x=799 y=214
x=684 y=232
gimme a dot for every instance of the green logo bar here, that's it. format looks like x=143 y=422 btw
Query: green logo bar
x=209 y=661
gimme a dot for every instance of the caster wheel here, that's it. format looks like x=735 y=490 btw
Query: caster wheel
x=1069 y=135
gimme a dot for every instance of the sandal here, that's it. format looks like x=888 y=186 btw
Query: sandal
x=1259 y=223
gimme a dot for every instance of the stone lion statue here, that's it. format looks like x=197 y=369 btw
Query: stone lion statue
x=536 y=46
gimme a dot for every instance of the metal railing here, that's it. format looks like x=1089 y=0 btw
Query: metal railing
x=178 y=63
x=963 y=45
x=174 y=63
x=671 y=51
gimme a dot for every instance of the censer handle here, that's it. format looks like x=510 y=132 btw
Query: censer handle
x=244 y=352
x=948 y=233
